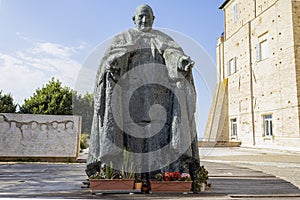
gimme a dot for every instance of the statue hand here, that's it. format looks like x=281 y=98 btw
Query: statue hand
x=113 y=69
x=186 y=63
x=112 y=65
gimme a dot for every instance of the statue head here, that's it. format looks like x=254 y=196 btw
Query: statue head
x=143 y=18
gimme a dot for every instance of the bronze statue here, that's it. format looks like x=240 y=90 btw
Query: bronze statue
x=145 y=102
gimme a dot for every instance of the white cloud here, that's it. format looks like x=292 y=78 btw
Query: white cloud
x=22 y=72
x=52 y=49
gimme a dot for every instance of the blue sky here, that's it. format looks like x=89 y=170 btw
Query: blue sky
x=54 y=38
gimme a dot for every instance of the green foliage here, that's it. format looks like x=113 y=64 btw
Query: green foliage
x=54 y=99
x=110 y=172
x=128 y=167
x=201 y=177
x=159 y=177
x=84 y=106
x=106 y=172
x=51 y=99
x=6 y=103
x=84 y=141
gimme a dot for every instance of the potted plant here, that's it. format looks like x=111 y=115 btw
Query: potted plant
x=171 y=182
x=110 y=179
x=200 y=182
x=138 y=183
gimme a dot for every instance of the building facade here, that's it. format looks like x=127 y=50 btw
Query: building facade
x=258 y=66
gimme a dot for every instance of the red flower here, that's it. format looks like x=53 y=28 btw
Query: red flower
x=171 y=176
x=167 y=176
x=175 y=176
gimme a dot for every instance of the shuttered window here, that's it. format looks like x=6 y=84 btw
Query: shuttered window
x=235 y=13
x=268 y=127
x=231 y=66
x=262 y=47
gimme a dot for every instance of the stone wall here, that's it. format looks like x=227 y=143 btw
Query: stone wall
x=274 y=86
x=239 y=83
x=39 y=137
x=267 y=86
x=296 y=30
x=217 y=123
x=263 y=5
x=245 y=13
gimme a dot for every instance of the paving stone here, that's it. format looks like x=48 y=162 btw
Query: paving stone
x=63 y=180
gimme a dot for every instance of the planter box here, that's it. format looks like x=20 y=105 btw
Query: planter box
x=111 y=185
x=170 y=186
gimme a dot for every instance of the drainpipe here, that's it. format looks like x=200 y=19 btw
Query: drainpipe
x=251 y=84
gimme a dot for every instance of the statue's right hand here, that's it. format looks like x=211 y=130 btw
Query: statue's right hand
x=112 y=65
x=113 y=69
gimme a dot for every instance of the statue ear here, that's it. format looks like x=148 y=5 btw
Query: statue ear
x=153 y=18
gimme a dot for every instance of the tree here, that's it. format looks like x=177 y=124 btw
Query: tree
x=7 y=103
x=54 y=99
x=51 y=99
x=84 y=106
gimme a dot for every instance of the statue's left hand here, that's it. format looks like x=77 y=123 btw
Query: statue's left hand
x=186 y=64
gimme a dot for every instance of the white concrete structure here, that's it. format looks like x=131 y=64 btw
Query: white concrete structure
x=39 y=137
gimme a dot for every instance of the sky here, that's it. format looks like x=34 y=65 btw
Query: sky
x=65 y=39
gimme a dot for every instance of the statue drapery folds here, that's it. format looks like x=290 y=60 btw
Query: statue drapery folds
x=144 y=102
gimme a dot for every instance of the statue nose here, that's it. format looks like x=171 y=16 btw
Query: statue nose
x=144 y=19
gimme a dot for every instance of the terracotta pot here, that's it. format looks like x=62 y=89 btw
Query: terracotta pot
x=138 y=186
x=170 y=186
x=145 y=189
x=111 y=184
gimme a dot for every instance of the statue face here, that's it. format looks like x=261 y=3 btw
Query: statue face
x=143 y=18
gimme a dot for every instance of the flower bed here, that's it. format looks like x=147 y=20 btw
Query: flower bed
x=111 y=184
x=171 y=182
x=170 y=186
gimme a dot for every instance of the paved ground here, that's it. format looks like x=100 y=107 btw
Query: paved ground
x=235 y=173
x=280 y=163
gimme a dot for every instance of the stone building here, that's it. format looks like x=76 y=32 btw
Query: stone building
x=257 y=98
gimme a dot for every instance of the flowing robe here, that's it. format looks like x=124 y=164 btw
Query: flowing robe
x=177 y=137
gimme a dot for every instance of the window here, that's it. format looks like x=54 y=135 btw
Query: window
x=233 y=128
x=262 y=47
x=235 y=12
x=268 y=129
x=231 y=66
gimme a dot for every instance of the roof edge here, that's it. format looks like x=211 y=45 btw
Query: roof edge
x=224 y=4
